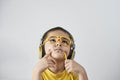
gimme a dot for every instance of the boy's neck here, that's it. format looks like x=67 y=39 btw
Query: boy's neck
x=58 y=67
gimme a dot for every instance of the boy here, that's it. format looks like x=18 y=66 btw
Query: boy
x=56 y=61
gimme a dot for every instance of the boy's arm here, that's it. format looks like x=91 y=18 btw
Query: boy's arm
x=83 y=75
x=36 y=75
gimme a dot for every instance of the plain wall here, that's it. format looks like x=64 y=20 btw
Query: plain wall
x=95 y=25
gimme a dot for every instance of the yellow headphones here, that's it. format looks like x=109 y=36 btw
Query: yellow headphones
x=41 y=51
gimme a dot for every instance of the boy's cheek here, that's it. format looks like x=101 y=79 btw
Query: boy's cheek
x=48 y=48
x=67 y=50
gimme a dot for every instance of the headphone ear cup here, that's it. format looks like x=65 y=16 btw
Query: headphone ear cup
x=40 y=51
x=72 y=52
x=73 y=55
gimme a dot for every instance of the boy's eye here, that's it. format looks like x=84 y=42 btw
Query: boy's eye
x=65 y=41
x=52 y=40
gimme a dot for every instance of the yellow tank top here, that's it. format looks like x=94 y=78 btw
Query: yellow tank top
x=48 y=75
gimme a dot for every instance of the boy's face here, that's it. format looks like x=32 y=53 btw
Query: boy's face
x=58 y=43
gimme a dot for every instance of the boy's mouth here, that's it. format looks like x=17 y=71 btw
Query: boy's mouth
x=58 y=49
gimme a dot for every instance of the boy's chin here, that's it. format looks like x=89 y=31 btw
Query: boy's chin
x=58 y=56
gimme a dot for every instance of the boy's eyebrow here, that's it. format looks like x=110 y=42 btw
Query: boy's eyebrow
x=66 y=38
x=51 y=36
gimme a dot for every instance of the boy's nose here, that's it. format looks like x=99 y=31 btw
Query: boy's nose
x=58 y=43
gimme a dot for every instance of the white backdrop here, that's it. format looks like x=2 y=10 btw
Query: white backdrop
x=95 y=25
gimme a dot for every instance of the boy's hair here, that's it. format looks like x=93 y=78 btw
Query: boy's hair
x=71 y=54
x=54 y=29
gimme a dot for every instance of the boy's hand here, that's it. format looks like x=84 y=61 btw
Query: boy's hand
x=72 y=66
x=44 y=63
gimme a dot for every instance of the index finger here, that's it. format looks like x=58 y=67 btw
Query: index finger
x=48 y=54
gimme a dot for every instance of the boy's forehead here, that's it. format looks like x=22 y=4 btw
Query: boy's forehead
x=58 y=33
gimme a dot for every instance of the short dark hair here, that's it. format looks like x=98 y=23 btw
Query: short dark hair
x=54 y=29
